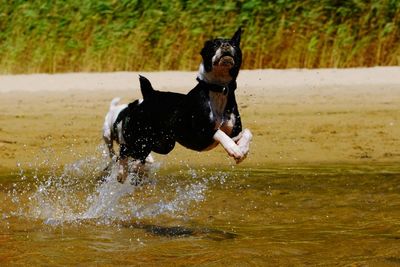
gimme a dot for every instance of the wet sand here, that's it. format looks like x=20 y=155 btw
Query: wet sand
x=325 y=116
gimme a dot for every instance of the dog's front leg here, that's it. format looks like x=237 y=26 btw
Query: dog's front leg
x=122 y=169
x=243 y=140
x=229 y=145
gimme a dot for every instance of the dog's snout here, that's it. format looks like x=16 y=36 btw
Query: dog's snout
x=225 y=46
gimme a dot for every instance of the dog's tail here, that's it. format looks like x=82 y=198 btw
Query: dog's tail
x=114 y=102
x=145 y=86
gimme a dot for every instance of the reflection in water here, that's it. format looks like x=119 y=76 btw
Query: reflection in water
x=182 y=231
x=333 y=215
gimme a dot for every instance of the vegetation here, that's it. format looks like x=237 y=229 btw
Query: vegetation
x=116 y=35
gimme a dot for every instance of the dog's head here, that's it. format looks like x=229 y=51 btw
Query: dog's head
x=221 y=60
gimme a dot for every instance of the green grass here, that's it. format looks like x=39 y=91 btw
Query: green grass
x=123 y=35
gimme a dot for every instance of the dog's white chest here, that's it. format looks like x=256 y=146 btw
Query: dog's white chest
x=217 y=104
x=222 y=120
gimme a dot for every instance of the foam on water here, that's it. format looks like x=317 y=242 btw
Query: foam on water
x=74 y=194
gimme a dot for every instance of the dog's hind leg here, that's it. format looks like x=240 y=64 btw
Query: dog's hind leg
x=138 y=154
x=108 y=140
x=111 y=153
x=139 y=169
x=122 y=170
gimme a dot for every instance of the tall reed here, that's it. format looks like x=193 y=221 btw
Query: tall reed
x=110 y=35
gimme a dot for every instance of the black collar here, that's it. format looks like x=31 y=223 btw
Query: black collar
x=214 y=87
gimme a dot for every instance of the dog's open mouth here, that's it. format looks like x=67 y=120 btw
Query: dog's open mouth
x=226 y=61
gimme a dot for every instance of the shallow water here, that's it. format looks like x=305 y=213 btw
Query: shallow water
x=332 y=215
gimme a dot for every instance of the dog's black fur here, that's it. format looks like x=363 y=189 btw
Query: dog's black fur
x=163 y=118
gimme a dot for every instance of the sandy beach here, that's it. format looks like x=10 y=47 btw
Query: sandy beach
x=297 y=117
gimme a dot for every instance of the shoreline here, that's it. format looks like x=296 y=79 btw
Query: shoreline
x=167 y=80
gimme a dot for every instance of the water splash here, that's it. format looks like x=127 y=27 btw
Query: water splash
x=175 y=207
x=74 y=193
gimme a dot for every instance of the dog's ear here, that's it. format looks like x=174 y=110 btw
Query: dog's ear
x=236 y=37
x=145 y=86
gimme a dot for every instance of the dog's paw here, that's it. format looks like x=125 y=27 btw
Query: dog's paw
x=121 y=179
x=244 y=141
x=136 y=181
x=230 y=146
x=234 y=151
x=121 y=176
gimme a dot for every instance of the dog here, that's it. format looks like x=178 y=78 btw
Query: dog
x=200 y=120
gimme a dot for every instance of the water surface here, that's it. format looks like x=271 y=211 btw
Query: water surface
x=321 y=215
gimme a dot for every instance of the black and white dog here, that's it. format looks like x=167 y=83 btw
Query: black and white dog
x=200 y=120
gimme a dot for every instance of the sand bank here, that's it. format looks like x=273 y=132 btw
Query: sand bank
x=297 y=116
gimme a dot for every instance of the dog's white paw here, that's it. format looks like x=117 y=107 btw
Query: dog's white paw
x=234 y=151
x=237 y=147
x=244 y=141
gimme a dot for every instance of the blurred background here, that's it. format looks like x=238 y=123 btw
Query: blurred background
x=129 y=35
